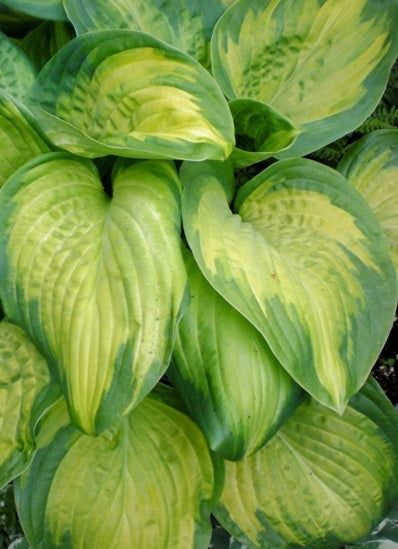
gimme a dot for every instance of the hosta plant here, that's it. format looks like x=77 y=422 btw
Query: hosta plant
x=192 y=308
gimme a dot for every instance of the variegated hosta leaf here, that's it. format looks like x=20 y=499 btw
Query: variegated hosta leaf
x=43 y=9
x=322 y=64
x=125 y=93
x=322 y=481
x=371 y=165
x=97 y=282
x=187 y=25
x=148 y=482
x=24 y=395
x=44 y=41
x=261 y=131
x=17 y=72
x=19 y=141
x=230 y=381
x=305 y=261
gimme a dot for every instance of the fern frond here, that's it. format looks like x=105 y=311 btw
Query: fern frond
x=384 y=117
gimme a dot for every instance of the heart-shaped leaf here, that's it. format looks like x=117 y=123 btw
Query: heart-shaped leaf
x=371 y=165
x=184 y=24
x=230 y=381
x=25 y=393
x=149 y=482
x=97 y=282
x=305 y=261
x=125 y=93
x=322 y=64
x=19 y=140
x=321 y=481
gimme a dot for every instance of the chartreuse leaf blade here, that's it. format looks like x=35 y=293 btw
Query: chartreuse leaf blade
x=19 y=139
x=305 y=261
x=149 y=481
x=43 y=9
x=230 y=381
x=371 y=165
x=125 y=93
x=17 y=72
x=322 y=64
x=344 y=467
x=24 y=396
x=186 y=25
x=97 y=282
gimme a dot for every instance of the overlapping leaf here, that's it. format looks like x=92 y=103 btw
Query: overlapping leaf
x=149 y=482
x=43 y=9
x=24 y=395
x=322 y=64
x=125 y=93
x=97 y=282
x=19 y=140
x=230 y=381
x=261 y=132
x=187 y=25
x=17 y=72
x=45 y=40
x=322 y=480
x=304 y=260
x=371 y=165
x=372 y=402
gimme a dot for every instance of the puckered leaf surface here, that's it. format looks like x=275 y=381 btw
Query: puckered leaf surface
x=17 y=72
x=43 y=9
x=125 y=93
x=19 y=140
x=24 y=395
x=97 y=282
x=322 y=481
x=304 y=260
x=371 y=165
x=184 y=24
x=230 y=381
x=323 y=64
x=148 y=482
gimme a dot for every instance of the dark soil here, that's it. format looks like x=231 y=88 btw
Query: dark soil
x=385 y=371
